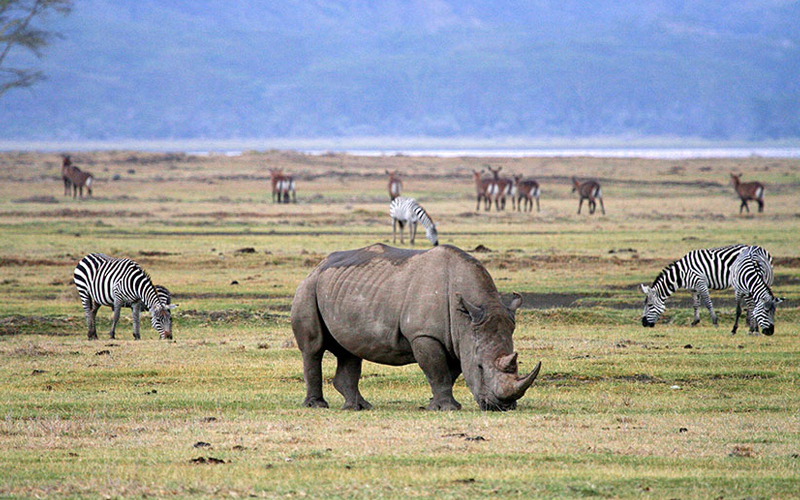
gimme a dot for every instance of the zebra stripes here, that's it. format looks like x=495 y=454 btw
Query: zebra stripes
x=751 y=284
x=698 y=271
x=107 y=281
x=407 y=211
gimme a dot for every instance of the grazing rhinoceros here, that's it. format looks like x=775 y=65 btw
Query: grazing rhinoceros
x=438 y=308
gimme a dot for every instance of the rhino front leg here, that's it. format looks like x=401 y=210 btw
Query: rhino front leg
x=432 y=358
x=348 y=372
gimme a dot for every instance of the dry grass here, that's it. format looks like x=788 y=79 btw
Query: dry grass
x=119 y=419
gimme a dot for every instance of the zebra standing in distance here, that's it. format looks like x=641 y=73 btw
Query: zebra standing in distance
x=395 y=184
x=407 y=211
x=107 y=281
x=698 y=271
x=588 y=190
x=752 y=286
x=748 y=191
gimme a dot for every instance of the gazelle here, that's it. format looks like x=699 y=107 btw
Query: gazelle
x=527 y=189
x=395 y=184
x=481 y=189
x=499 y=189
x=748 y=191
x=588 y=190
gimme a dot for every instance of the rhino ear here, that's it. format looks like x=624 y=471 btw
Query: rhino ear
x=515 y=302
x=476 y=313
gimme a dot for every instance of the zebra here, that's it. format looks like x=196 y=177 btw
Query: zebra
x=107 y=281
x=698 y=271
x=406 y=210
x=752 y=286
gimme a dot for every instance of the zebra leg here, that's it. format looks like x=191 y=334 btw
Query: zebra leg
x=348 y=371
x=696 y=305
x=136 y=309
x=432 y=358
x=738 y=313
x=115 y=319
x=90 y=311
x=706 y=300
x=412 y=232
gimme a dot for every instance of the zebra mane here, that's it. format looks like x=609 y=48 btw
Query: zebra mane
x=664 y=279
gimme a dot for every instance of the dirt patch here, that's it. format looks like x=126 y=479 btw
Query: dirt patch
x=36 y=199
x=13 y=262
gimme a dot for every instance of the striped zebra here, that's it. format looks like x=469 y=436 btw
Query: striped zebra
x=407 y=211
x=107 y=281
x=698 y=271
x=752 y=287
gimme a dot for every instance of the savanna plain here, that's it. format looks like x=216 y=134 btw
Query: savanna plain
x=618 y=411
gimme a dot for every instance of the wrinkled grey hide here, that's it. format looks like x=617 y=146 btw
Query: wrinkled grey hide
x=438 y=308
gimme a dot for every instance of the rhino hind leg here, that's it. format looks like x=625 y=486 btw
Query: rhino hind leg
x=348 y=372
x=433 y=360
x=309 y=332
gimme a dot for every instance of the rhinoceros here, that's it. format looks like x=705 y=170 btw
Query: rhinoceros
x=438 y=308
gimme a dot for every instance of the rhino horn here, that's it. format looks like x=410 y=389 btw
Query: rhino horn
x=507 y=363
x=523 y=383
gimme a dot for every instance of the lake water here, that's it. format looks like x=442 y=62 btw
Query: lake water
x=649 y=153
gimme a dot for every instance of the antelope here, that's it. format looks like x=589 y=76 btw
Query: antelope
x=499 y=189
x=589 y=190
x=77 y=178
x=395 y=184
x=66 y=168
x=287 y=187
x=748 y=191
x=527 y=189
x=276 y=176
x=481 y=189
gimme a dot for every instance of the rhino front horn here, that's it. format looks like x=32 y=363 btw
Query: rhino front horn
x=523 y=383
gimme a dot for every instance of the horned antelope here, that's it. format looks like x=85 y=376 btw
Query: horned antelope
x=499 y=189
x=395 y=184
x=527 y=189
x=588 y=190
x=66 y=168
x=481 y=189
x=77 y=178
x=282 y=186
x=748 y=191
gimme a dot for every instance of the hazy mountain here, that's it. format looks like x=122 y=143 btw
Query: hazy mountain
x=176 y=69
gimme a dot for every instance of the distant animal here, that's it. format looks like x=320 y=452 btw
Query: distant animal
x=276 y=177
x=287 y=187
x=395 y=184
x=438 y=308
x=698 y=271
x=79 y=179
x=481 y=189
x=588 y=190
x=66 y=168
x=107 y=281
x=407 y=211
x=528 y=190
x=752 y=287
x=499 y=189
x=748 y=191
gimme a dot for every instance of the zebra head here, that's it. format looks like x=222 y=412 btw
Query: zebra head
x=161 y=319
x=764 y=314
x=653 y=306
x=432 y=235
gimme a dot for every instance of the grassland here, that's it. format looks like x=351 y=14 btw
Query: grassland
x=618 y=411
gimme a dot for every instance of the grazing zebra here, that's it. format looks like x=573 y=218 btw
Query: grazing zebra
x=407 y=211
x=698 y=271
x=588 y=190
x=395 y=184
x=527 y=189
x=748 y=191
x=752 y=286
x=107 y=281
x=481 y=189
x=78 y=178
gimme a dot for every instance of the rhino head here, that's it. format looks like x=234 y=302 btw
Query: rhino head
x=487 y=356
